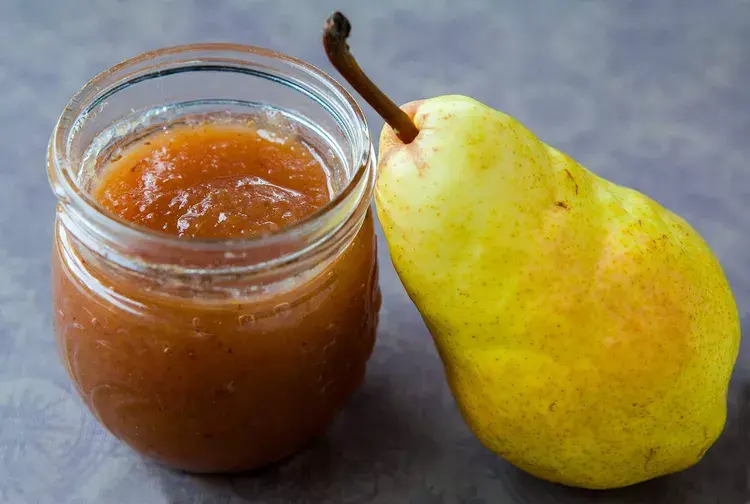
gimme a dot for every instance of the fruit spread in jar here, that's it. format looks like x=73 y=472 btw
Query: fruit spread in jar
x=207 y=383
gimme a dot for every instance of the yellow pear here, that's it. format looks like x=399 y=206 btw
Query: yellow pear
x=588 y=334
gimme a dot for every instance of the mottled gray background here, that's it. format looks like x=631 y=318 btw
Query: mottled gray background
x=653 y=94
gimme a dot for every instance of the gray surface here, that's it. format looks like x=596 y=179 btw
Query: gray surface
x=653 y=94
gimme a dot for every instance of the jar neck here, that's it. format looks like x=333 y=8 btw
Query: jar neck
x=225 y=267
x=157 y=84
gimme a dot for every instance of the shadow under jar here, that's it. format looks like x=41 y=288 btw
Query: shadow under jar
x=213 y=355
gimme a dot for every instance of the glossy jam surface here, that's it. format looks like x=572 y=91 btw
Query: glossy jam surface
x=215 y=181
x=206 y=384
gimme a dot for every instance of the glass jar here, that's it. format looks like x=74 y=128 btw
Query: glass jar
x=213 y=355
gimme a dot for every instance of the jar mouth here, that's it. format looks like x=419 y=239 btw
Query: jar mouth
x=219 y=57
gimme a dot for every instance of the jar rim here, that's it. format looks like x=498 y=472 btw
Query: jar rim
x=102 y=85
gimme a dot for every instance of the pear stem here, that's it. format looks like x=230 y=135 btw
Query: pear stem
x=335 y=33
